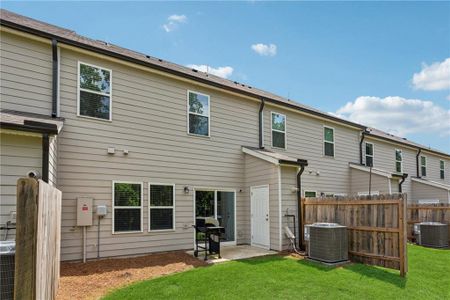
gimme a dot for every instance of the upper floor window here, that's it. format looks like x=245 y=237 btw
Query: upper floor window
x=94 y=92
x=369 y=154
x=198 y=113
x=328 y=141
x=423 y=165
x=278 y=130
x=127 y=206
x=161 y=207
x=398 y=161
x=442 y=169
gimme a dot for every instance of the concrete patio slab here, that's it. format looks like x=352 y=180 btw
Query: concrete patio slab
x=235 y=253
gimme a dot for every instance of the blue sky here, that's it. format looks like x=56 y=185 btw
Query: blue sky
x=357 y=60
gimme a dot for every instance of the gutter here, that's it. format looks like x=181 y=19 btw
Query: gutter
x=261 y=124
x=149 y=64
x=54 y=78
x=31 y=126
x=363 y=135
x=417 y=163
x=303 y=164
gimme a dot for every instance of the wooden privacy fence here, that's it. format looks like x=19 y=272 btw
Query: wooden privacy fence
x=37 y=240
x=376 y=226
x=427 y=213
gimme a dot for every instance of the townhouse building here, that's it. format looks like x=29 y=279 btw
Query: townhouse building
x=159 y=144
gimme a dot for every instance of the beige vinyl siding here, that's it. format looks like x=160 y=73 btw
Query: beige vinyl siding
x=422 y=191
x=259 y=172
x=19 y=154
x=148 y=119
x=433 y=168
x=304 y=136
x=289 y=203
x=26 y=75
x=394 y=185
x=360 y=182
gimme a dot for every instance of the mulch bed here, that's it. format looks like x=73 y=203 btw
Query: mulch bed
x=94 y=279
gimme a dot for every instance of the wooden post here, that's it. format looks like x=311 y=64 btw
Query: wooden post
x=26 y=234
x=401 y=236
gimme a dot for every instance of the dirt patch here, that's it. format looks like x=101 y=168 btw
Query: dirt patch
x=95 y=278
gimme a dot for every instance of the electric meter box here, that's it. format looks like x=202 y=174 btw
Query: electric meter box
x=84 y=211
x=102 y=210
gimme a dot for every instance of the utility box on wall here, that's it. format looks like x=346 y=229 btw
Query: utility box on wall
x=84 y=211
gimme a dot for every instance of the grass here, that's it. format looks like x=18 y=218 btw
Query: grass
x=277 y=277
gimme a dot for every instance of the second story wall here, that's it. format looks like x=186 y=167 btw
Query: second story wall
x=26 y=74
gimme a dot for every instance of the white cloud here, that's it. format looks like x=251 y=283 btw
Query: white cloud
x=173 y=22
x=265 y=50
x=223 y=72
x=433 y=77
x=398 y=115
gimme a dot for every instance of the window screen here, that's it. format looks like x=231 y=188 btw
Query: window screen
x=398 y=161
x=442 y=169
x=278 y=130
x=161 y=208
x=198 y=111
x=94 y=92
x=328 y=140
x=127 y=207
x=369 y=154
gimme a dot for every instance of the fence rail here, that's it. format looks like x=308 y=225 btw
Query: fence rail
x=427 y=213
x=37 y=240
x=376 y=226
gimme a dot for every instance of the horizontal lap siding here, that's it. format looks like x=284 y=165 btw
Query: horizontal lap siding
x=360 y=182
x=305 y=141
x=149 y=120
x=289 y=203
x=433 y=168
x=422 y=191
x=19 y=154
x=26 y=75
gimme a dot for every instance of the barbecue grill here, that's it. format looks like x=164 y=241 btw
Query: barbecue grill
x=207 y=230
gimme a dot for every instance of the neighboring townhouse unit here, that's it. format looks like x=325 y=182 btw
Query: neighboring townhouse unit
x=160 y=144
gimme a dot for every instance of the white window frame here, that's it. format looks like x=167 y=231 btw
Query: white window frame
x=373 y=153
x=197 y=114
x=128 y=207
x=172 y=207
x=309 y=191
x=442 y=169
x=426 y=169
x=400 y=161
x=276 y=130
x=324 y=141
x=79 y=89
x=366 y=193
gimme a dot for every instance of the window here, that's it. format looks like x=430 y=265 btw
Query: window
x=369 y=154
x=398 y=161
x=127 y=207
x=310 y=194
x=94 y=92
x=278 y=130
x=328 y=141
x=161 y=207
x=198 y=113
x=423 y=165
x=442 y=169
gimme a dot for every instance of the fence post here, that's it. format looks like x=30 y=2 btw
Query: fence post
x=401 y=235
x=26 y=233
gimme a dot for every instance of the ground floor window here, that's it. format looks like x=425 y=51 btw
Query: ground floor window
x=310 y=194
x=127 y=206
x=219 y=205
x=161 y=207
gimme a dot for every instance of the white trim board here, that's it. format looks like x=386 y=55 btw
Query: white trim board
x=432 y=183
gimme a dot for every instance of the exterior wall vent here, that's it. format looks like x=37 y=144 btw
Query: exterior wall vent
x=431 y=234
x=328 y=242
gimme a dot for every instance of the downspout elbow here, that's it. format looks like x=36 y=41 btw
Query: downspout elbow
x=404 y=176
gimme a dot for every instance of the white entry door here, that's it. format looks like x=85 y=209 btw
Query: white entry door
x=260 y=224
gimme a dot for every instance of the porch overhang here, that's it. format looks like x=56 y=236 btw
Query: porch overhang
x=374 y=171
x=11 y=120
x=431 y=183
x=274 y=157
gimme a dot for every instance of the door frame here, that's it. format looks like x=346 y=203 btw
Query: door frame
x=251 y=223
x=215 y=190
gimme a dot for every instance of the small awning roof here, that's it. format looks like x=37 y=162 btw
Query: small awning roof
x=29 y=122
x=274 y=157
x=367 y=169
x=432 y=183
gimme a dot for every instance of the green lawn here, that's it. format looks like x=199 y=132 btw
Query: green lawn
x=277 y=277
